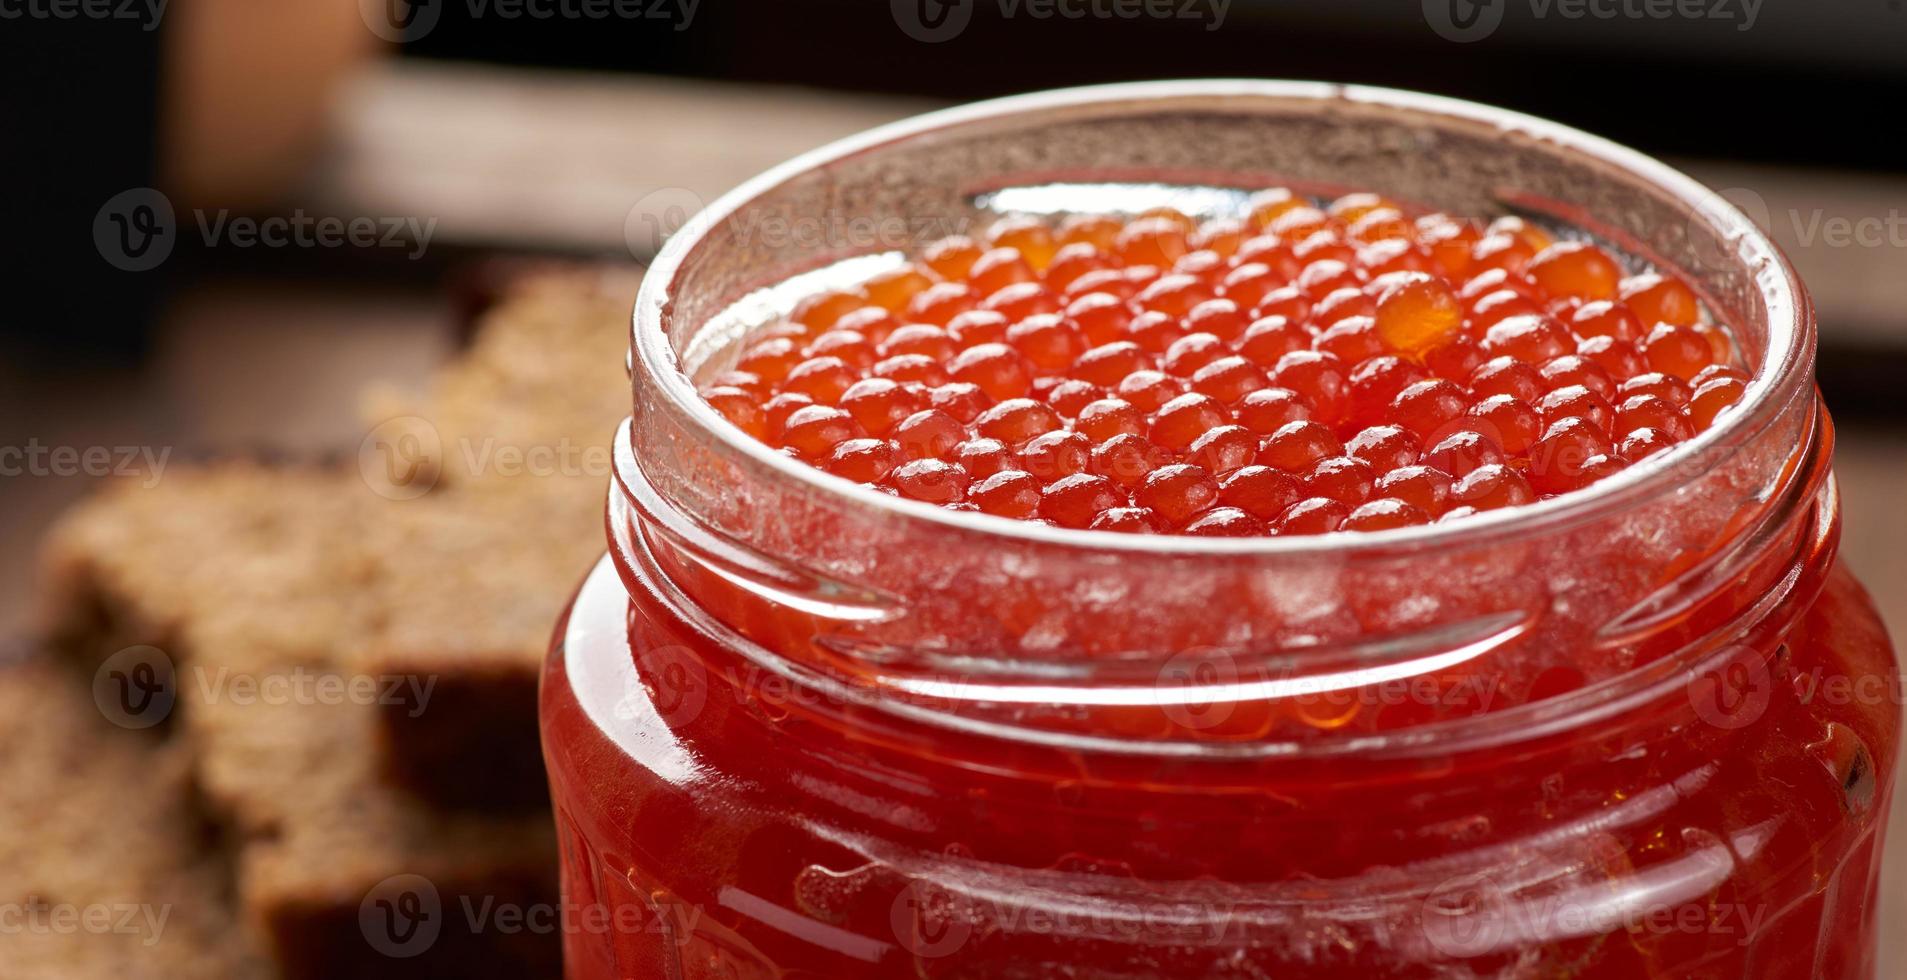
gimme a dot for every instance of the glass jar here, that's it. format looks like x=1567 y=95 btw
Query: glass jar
x=796 y=728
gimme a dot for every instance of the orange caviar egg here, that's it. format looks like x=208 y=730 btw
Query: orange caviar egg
x=953 y=257
x=1501 y=251
x=1173 y=215
x=1298 y=224
x=1151 y=241
x=1449 y=243
x=1536 y=238
x=820 y=311
x=1575 y=270
x=940 y=303
x=1656 y=298
x=1382 y=515
x=1677 y=351
x=1605 y=319
x=1267 y=206
x=893 y=289
x=1417 y=314
x=998 y=268
x=1098 y=230
x=1381 y=224
x=1712 y=399
x=1071 y=262
x=740 y=408
x=1352 y=207
x=1026 y=235
x=1221 y=236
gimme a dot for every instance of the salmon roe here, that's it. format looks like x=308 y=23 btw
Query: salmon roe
x=1300 y=367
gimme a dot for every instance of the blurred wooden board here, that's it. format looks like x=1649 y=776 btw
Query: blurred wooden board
x=559 y=160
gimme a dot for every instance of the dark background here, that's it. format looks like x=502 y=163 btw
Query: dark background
x=1814 y=85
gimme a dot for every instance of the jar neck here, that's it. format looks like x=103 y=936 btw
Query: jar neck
x=1620 y=634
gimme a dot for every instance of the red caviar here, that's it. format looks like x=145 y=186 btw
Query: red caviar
x=1123 y=348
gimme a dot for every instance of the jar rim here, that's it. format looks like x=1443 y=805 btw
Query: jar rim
x=1785 y=366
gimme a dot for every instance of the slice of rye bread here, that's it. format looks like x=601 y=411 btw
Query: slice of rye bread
x=531 y=405
x=481 y=580
x=519 y=431
x=546 y=370
x=344 y=875
x=457 y=591
x=105 y=866
x=134 y=565
x=256 y=581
